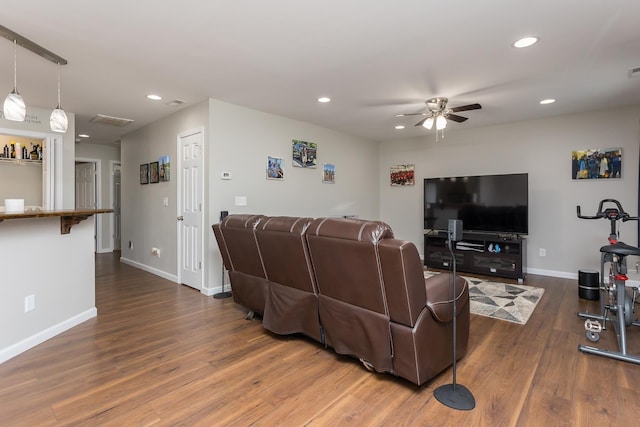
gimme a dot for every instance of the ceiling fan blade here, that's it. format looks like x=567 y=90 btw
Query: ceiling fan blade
x=421 y=121
x=466 y=107
x=411 y=114
x=456 y=118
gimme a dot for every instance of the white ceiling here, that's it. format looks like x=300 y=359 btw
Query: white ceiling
x=375 y=59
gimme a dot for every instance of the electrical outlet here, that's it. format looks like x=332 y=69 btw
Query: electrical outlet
x=542 y=252
x=130 y=245
x=29 y=303
x=155 y=252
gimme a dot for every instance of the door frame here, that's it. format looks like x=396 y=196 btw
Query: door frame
x=98 y=182
x=178 y=176
x=112 y=201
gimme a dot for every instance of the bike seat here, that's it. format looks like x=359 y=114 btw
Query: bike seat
x=620 y=249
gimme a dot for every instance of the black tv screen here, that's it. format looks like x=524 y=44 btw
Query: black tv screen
x=488 y=203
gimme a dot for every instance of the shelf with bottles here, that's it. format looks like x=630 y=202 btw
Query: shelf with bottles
x=17 y=152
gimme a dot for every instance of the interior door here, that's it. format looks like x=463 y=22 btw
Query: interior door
x=190 y=215
x=116 y=207
x=86 y=190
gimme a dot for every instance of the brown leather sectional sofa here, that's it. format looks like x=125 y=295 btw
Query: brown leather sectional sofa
x=348 y=284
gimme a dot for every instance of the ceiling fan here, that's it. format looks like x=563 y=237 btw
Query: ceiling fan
x=439 y=113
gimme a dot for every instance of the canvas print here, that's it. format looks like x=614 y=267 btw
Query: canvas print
x=596 y=163
x=329 y=173
x=402 y=175
x=164 y=164
x=153 y=173
x=304 y=154
x=275 y=168
x=144 y=173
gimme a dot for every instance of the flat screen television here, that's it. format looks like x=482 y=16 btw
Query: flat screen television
x=487 y=203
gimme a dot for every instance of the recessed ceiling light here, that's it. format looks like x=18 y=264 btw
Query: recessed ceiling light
x=324 y=99
x=547 y=101
x=154 y=97
x=526 y=42
x=400 y=127
x=83 y=135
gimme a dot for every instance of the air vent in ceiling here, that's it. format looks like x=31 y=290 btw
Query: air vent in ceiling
x=175 y=102
x=111 y=121
x=634 y=72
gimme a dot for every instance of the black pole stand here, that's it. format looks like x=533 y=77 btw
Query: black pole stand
x=223 y=294
x=455 y=396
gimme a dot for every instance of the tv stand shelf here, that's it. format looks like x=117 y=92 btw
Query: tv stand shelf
x=486 y=254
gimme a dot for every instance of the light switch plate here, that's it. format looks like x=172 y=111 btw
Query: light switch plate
x=241 y=201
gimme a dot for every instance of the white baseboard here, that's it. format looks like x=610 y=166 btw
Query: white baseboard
x=42 y=336
x=151 y=270
x=552 y=273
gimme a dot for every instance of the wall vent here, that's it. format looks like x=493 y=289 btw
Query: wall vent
x=110 y=120
x=634 y=72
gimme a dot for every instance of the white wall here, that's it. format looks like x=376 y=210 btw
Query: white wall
x=104 y=153
x=241 y=141
x=543 y=149
x=145 y=221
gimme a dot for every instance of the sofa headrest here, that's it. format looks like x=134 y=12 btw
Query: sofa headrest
x=350 y=229
x=242 y=221
x=285 y=224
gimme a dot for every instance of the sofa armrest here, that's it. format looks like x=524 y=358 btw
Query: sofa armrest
x=439 y=295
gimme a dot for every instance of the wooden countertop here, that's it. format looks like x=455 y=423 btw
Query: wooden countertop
x=68 y=217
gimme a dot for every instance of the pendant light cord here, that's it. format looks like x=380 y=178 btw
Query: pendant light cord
x=15 y=64
x=58 y=85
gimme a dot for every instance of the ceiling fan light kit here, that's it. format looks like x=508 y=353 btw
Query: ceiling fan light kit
x=439 y=113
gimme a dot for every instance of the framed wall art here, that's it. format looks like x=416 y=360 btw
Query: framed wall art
x=329 y=173
x=154 y=176
x=304 y=154
x=164 y=164
x=402 y=175
x=596 y=163
x=275 y=168
x=144 y=173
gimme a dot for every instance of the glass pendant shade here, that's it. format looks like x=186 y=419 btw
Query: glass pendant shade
x=441 y=123
x=14 y=108
x=428 y=123
x=58 y=120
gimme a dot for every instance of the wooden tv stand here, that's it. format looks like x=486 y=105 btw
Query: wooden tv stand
x=485 y=254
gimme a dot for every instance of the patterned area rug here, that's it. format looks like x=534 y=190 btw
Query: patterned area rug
x=504 y=301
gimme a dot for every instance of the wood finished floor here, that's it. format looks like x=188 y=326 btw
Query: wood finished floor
x=163 y=354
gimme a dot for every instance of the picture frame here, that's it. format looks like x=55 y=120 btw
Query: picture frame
x=329 y=173
x=304 y=154
x=144 y=173
x=598 y=163
x=401 y=175
x=164 y=172
x=275 y=168
x=154 y=176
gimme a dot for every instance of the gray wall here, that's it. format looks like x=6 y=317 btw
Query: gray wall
x=543 y=149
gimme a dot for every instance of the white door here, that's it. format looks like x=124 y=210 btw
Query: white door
x=190 y=215
x=85 y=186
x=116 y=207
x=86 y=190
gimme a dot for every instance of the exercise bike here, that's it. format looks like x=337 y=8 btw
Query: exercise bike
x=616 y=305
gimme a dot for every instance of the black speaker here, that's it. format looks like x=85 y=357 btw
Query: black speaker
x=455 y=230
x=589 y=284
x=223 y=214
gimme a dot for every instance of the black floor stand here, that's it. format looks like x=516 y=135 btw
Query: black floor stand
x=223 y=294
x=454 y=395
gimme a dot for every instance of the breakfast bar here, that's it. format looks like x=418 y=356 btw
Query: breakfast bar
x=47 y=280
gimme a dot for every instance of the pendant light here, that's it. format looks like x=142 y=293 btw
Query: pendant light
x=14 y=107
x=58 y=120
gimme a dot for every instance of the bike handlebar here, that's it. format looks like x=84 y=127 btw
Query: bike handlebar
x=612 y=214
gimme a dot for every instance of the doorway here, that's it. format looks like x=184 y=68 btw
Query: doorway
x=115 y=204
x=88 y=194
x=190 y=203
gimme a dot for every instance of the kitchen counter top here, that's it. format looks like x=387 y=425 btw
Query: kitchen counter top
x=68 y=217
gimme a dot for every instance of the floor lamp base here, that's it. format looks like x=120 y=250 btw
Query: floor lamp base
x=458 y=397
x=222 y=295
